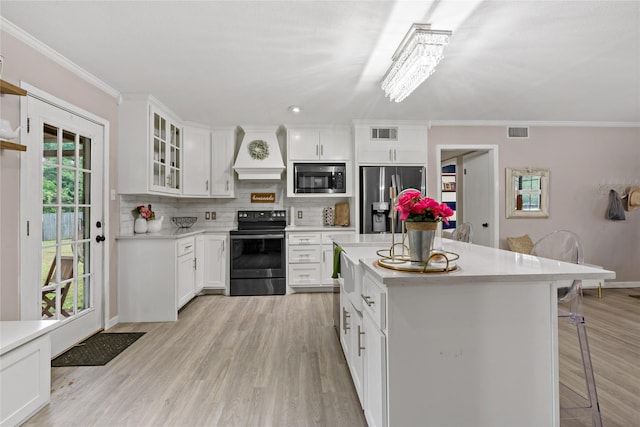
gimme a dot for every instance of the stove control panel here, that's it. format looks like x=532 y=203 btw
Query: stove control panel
x=262 y=216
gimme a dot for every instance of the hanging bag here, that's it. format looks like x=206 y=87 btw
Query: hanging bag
x=615 y=210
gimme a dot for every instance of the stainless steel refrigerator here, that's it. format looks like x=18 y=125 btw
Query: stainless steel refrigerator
x=375 y=182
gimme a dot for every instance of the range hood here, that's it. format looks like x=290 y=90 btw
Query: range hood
x=259 y=156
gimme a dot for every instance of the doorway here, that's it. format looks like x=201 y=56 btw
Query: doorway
x=476 y=188
x=62 y=256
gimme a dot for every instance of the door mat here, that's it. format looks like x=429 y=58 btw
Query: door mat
x=97 y=350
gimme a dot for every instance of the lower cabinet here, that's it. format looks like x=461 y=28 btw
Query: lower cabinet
x=351 y=334
x=214 y=261
x=310 y=259
x=156 y=276
x=375 y=373
x=186 y=265
x=364 y=342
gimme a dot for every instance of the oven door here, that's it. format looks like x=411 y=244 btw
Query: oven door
x=257 y=256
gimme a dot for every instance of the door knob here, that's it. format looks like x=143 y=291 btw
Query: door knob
x=100 y=239
x=99 y=224
x=485 y=224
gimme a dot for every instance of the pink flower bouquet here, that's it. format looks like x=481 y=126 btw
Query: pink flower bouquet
x=414 y=207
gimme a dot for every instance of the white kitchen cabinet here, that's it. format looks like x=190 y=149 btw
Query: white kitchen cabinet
x=222 y=156
x=200 y=264
x=215 y=261
x=329 y=143
x=351 y=334
x=150 y=155
x=395 y=143
x=186 y=266
x=196 y=161
x=375 y=373
x=310 y=259
x=156 y=277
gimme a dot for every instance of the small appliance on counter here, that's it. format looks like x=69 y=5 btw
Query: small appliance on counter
x=341 y=214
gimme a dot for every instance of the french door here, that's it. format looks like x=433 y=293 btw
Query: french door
x=63 y=258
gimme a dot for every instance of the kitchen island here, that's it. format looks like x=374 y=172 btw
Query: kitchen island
x=477 y=346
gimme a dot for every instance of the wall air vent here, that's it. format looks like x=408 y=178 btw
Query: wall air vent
x=384 y=134
x=518 y=132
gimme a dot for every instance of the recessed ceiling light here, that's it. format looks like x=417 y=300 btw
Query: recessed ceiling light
x=295 y=109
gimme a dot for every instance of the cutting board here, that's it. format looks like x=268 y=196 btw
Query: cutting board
x=341 y=214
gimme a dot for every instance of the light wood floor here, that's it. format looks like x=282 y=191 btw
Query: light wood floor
x=275 y=361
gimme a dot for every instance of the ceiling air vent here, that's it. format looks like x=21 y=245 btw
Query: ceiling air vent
x=384 y=134
x=518 y=132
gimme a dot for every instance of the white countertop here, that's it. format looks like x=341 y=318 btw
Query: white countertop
x=383 y=240
x=479 y=264
x=476 y=264
x=173 y=233
x=323 y=228
x=13 y=334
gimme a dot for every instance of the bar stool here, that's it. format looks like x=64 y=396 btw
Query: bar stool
x=565 y=246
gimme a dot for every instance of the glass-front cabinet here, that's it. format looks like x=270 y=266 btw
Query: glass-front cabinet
x=150 y=157
x=167 y=155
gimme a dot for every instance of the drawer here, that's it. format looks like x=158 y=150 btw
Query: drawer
x=374 y=301
x=304 y=274
x=304 y=254
x=325 y=236
x=185 y=246
x=304 y=238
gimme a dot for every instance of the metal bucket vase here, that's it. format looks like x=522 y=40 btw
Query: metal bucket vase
x=421 y=236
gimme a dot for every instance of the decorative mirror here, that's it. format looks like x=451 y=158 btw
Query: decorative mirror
x=527 y=193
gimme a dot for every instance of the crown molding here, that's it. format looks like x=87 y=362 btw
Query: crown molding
x=531 y=123
x=37 y=45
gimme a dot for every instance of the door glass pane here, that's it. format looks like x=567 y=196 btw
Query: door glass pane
x=66 y=226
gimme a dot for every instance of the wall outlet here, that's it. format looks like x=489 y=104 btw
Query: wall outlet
x=213 y=216
x=299 y=214
x=207 y=217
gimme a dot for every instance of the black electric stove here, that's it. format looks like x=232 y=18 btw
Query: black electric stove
x=258 y=264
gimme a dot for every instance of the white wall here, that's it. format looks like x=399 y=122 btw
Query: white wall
x=580 y=160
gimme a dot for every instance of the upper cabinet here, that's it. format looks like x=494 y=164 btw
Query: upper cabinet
x=222 y=156
x=196 y=158
x=326 y=143
x=151 y=150
x=402 y=143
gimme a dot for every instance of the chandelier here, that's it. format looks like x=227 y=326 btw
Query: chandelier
x=414 y=60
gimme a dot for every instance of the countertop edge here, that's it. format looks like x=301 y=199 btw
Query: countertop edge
x=19 y=332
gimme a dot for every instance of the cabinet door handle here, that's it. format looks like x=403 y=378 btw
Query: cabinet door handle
x=360 y=346
x=316 y=149
x=206 y=184
x=390 y=155
x=345 y=318
x=321 y=150
x=227 y=187
x=195 y=263
x=394 y=154
x=368 y=300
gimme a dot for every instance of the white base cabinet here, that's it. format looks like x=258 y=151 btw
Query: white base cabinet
x=25 y=370
x=214 y=261
x=310 y=259
x=156 y=277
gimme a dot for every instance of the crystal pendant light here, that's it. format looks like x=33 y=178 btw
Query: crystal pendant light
x=414 y=60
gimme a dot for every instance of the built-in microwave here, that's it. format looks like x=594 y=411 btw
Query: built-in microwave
x=319 y=178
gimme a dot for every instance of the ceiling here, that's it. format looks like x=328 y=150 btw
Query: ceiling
x=245 y=62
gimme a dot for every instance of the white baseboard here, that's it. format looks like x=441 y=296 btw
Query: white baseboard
x=593 y=284
x=614 y=285
x=112 y=322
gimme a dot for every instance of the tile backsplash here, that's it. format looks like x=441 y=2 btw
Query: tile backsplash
x=225 y=209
